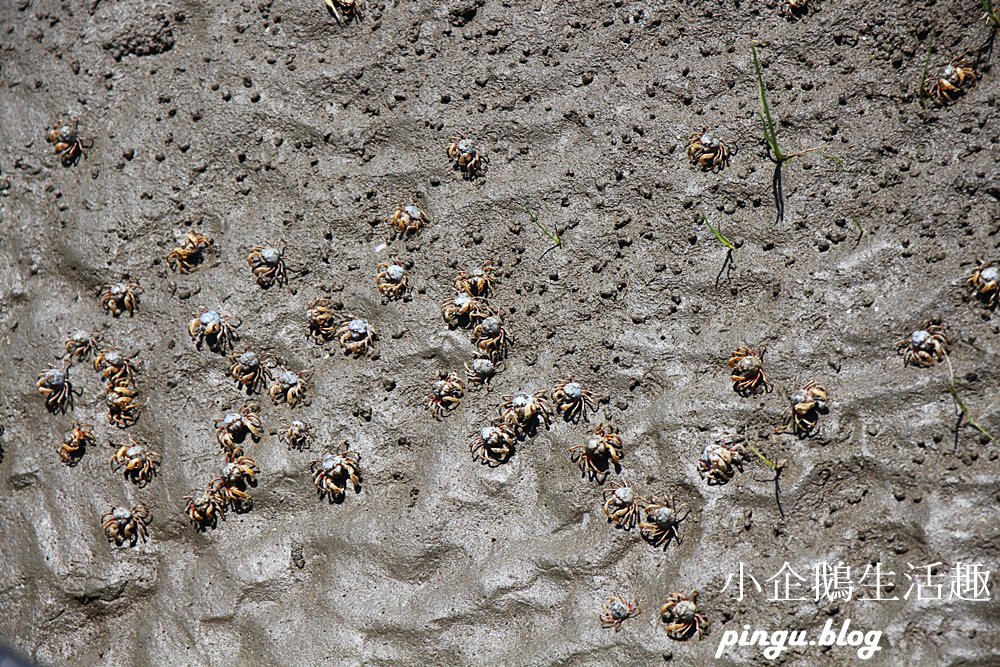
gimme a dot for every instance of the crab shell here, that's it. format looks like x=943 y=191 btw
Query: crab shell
x=493 y=445
x=408 y=220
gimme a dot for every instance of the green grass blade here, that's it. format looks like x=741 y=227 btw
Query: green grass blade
x=923 y=73
x=991 y=14
x=767 y=123
x=726 y=243
x=960 y=404
x=542 y=228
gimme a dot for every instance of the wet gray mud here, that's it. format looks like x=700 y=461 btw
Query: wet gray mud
x=270 y=122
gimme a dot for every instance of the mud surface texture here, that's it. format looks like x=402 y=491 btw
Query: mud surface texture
x=270 y=122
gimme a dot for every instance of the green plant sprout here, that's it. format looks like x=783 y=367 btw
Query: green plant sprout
x=922 y=90
x=774 y=152
x=861 y=230
x=552 y=236
x=962 y=407
x=777 y=467
x=729 y=263
x=991 y=15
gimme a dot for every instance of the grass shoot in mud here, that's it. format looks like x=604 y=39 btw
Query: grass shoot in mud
x=774 y=152
x=728 y=264
x=963 y=409
x=552 y=236
x=992 y=15
x=777 y=467
x=922 y=89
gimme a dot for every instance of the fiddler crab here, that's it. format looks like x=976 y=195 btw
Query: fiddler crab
x=123 y=409
x=462 y=310
x=493 y=445
x=479 y=282
x=925 y=347
x=720 y=461
x=525 y=411
x=707 y=151
x=951 y=83
x=331 y=473
x=114 y=367
x=407 y=220
x=232 y=430
x=248 y=371
x=794 y=8
x=663 y=521
x=345 y=10
x=322 y=320
x=446 y=394
x=572 y=400
x=204 y=508
x=618 y=609
x=681 y=618
x=121 y=297
x=481 y=370
x=67 y=143
x=140 y=464
x=357 y=337
x=622 y=506
x=748 y=376
x=232 y=484
x=289 y=387
x=208 y=326
x=491 y=337
x=298 y=436
x=81 y=345
x=268 y=265
x=55 y=387
x=75 y=443
x=985 y=284
x=807 y=404
x=467 y=158
x=121 y=524
x=391 y=279
x=596 y=456
x=189 y=254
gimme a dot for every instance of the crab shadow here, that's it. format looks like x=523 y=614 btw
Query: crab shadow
x=71 y=462
x=216 y=344
x=530 y=430
x=205 y=526
x=338 y=498
x=241 y=438
x=604 y=468
x=242 y=507
x=661 y=542
x=763 y=388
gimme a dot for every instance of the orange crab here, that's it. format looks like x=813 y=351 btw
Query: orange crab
x=707 y=151
x=681 y=618
x=602 y=450
x=748 y=371
x=951 y=83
